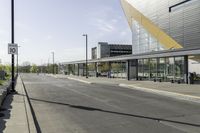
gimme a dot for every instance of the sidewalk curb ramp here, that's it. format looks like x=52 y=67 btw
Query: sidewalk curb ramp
x=163 y=93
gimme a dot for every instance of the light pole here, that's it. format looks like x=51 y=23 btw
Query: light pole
x=53 y=61
x=13 y=41
x=86 y=61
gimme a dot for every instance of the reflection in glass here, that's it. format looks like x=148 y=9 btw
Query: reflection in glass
x=153 y=68
x=179 y=68
x=161 y=68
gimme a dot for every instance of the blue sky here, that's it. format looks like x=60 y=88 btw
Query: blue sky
x=43 y=26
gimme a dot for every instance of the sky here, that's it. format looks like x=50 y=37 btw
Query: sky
x=45 y=26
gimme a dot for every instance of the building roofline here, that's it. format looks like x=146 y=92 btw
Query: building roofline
x=154 y=54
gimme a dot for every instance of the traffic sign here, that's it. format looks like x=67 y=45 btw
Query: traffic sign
x=12 y=48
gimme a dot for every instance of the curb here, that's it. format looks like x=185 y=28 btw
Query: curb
x=83 y=81
x=163 y=93
x=30 y=121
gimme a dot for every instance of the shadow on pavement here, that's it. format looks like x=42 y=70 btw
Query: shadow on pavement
x=5 y=111
x=118 y=113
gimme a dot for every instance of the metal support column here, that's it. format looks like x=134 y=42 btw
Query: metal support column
x=109 y=70
x=95 y=67
x=128 y=69
x=186 y=69
x=77 y=69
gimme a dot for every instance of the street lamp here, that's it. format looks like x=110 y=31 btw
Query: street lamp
x=53 y=61
x=86 y=36
x=13 y=41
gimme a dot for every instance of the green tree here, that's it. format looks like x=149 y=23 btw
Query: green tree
x=34 y=68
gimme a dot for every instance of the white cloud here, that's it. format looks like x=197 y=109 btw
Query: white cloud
x=103 y=25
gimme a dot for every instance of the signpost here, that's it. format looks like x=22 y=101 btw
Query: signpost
x=12 y=49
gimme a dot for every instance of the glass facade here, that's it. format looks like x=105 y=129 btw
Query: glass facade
x=161 y=73
x=169 y=68
x=163 y=69
x=146 y=73
x=143 y=41
x=153 y=68
x=179 y=68
x=180 y=22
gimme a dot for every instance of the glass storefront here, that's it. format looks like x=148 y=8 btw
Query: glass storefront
x=76 y=71
x=91 y=69
x=153 y=68
x=194 y=65
x=140 y=69
x=118 y=69
x=71 y=69
x=162 y=69
x=146 y=69
x=161 y=74
x=169 y=68
x=179 y=68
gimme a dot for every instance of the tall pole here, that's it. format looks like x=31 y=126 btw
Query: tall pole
x=53 y=62
x=86 y=61
x=12 y=41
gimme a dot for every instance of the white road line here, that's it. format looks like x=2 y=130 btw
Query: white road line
x=83 y=81
x=164 y=93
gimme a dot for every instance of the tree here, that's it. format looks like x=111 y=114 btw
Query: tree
x=34 y=68
x=25 y=68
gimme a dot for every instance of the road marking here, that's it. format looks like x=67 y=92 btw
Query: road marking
x=83 y=81
x=164 y=93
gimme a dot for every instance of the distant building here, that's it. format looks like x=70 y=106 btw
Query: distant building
x=105 y=49
x=94 y=53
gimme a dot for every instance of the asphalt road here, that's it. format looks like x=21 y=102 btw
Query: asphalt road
x=67 y=106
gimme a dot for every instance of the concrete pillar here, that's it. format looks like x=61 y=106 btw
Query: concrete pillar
x=132 y=69
x=74 y=69
x=77 y=69
x=68 y=66
x=81 y=69
x=109 y=70
x=84 y=69
x=95 y=67
x=128 y=69
x=186 y=69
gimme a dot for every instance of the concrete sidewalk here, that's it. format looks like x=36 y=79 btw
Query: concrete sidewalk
x=17 y=117
x=179 y=91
